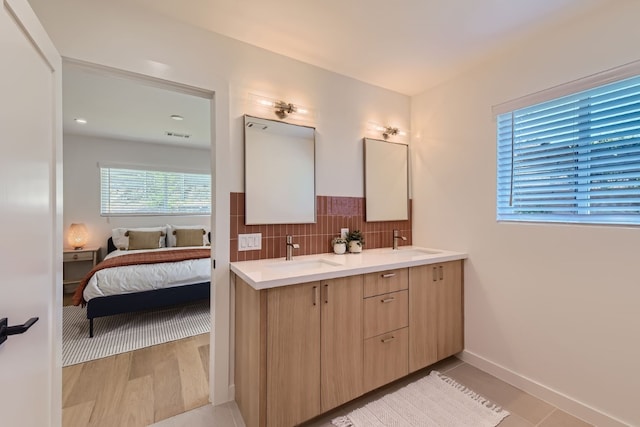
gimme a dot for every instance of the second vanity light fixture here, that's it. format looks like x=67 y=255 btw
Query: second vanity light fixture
x=281 y=108
x=386 y=131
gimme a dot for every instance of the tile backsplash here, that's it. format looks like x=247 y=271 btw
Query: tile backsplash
x=332 y=214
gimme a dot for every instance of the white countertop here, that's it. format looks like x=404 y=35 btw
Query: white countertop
x=271 y=273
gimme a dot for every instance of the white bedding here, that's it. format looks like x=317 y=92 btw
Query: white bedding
x=145 y=277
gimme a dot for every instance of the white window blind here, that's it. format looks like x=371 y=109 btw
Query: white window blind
x=149 y=192
x=572 y=159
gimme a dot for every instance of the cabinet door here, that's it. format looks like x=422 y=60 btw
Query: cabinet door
x=293 y=354
x=450 y=309
x=342 y=340
x=423 y=316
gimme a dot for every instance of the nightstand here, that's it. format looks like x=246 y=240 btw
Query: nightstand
x=76 y=263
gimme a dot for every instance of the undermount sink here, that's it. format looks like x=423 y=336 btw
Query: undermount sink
x=302 y=265
x=412 y=252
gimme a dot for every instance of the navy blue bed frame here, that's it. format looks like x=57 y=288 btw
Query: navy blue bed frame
x=146 y=300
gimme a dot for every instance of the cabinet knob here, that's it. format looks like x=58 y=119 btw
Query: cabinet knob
x=75 y=256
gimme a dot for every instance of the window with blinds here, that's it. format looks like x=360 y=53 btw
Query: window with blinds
x=573 y=159
x=148 y=192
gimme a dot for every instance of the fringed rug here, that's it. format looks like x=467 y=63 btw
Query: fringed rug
x=126 y=332
x=435 y=400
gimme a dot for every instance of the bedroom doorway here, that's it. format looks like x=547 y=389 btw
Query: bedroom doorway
x=119 y=121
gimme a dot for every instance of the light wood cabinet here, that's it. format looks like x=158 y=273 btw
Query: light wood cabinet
x=435 y=313
x=293 y=354
x=342 y=341
x=300 y=352
x=305 y=349
x=386 y=317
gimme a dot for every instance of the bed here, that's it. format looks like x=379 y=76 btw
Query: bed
x=130 y=280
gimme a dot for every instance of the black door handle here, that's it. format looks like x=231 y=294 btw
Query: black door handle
x=5 y=330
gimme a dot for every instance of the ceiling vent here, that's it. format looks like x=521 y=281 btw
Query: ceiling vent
x=177 y=134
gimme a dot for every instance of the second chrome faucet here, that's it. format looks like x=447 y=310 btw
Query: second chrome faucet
x=396 y=237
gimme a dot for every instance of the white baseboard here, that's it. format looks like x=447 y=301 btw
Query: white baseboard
x=557 y=399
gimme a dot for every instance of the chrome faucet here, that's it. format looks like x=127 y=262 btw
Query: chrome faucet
x=396 y=236
x=290 y=247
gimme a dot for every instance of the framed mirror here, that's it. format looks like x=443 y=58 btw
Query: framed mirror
x=386 y=180
x=279 y=172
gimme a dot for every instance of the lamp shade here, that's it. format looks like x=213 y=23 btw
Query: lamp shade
x=78 y=236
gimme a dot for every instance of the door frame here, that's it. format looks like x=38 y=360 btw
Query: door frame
x=220 y=388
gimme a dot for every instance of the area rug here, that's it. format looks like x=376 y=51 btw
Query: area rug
x=131 y=331
x=435 y=400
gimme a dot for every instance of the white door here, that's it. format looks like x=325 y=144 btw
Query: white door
x=30 y=246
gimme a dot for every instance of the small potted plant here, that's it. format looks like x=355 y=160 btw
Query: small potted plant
x=339 y=245
x=356 y=241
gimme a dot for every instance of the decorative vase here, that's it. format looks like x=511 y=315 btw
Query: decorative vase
x=339 y=248
x=355 y=247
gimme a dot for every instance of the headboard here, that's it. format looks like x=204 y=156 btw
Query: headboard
x=111 y=247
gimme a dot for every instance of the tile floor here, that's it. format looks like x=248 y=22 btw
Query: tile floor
x=526 y=410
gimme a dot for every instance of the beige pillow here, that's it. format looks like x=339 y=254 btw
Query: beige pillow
x=189 y=236
x=144 y=239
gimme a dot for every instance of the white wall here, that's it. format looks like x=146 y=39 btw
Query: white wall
x=120 y=35
x=555 y=304
x=82 y=181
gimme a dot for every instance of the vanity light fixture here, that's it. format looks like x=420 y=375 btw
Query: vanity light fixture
x=80 y=121
x=281 y=108
x=391 y=131
x=386 y=131
x=177 y=117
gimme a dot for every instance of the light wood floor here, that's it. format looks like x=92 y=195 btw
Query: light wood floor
x=137 y=388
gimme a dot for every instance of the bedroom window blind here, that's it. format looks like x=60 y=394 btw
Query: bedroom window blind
x=151 y=192
x=574 y=159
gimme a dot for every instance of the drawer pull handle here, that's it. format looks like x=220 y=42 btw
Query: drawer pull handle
x=386 y=300
x=387 y=275
x=441 y=272
x=435 y=274
x=386 y=340
x=315 y=295
x=326 y=294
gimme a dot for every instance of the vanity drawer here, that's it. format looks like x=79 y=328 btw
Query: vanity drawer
x=384 y=282
x=384 y=313
x=385 y=358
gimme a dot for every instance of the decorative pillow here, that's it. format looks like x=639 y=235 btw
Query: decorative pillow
x=121 y=240
x=144 y=239
x=171 y=237
x=189 y=236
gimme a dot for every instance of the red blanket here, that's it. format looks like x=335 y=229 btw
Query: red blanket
x=153 y=257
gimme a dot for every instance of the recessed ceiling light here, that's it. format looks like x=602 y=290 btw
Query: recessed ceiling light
x=80 y=121
x=177 y=117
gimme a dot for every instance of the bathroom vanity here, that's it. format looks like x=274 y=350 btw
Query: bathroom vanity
x=320 y=330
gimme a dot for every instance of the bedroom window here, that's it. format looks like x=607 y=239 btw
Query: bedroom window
x=572 y=159
x=153 y=192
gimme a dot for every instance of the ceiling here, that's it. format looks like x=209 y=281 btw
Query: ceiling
x=406 y=46
x=403 y=45
x=121 y=106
